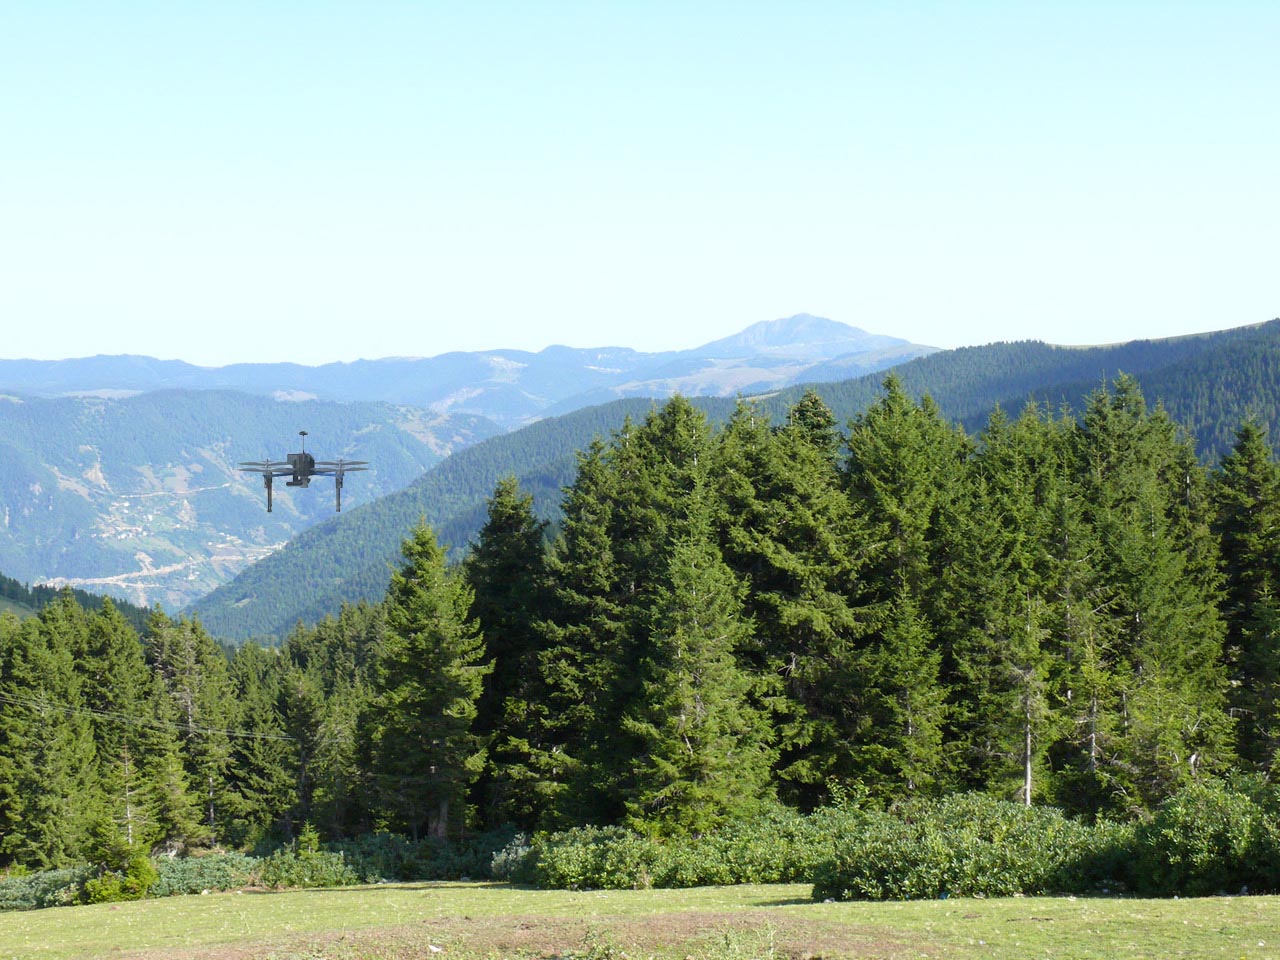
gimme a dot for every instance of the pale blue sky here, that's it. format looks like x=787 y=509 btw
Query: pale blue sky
x=232 y=181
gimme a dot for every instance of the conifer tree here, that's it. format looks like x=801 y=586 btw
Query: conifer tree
x=1246 y=492
x=705 y=754
x=46 y=745
x=1002 y=717
x=135 y=743
x=1147 y=501
x=788 y=531
x=903 y=475
x=561 y=735
x=196 y=677
x=430 y=675
x=264 y=758
x=507 y=573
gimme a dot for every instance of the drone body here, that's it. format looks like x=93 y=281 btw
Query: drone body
x=301 y=467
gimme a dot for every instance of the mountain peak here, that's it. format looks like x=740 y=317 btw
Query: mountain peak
x=802 y=336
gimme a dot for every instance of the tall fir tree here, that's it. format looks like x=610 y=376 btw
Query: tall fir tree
x=1246 y=491
x=264 y=768
x=430 y=675
x=1147 y=501
x=196 y=676
x=560 y=734
x=903 y=474
x=140 y=804
x=705 y=752
x=506 y=570
x=46 y=744
x=1003 y=720
x=788 y=531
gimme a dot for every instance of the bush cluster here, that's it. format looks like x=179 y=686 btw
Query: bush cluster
x=132 y=883
x=781 y=847
x=208 y=872
x=47 y=888
x=1209 y=838
x=377 y=857
x=971 y=845
x=302 y=864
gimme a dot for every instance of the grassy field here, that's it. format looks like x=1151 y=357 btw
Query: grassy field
x=473 y=921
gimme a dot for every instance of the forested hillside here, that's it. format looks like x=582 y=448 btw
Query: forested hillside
x=1059 y=609
x=140 y=497
x=1207 y=382
x=25 y=600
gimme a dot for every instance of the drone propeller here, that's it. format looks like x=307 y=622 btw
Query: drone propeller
x=303 y=468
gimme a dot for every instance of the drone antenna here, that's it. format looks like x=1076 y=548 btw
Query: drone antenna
x=303 y=435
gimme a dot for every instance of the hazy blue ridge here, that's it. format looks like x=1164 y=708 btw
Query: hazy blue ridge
x=510 y=387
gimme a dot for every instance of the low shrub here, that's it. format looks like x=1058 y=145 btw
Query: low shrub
x=388 y=856
x=506 y=861
x=780 y=847
x=132 y=883
x=301 y=869
x=970 y=845
x=46 y=888
x=1209 y=838
x=211 y=871
x=378 y=857
x=303 y=864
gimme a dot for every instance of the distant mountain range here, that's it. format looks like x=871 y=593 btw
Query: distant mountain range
x=508 y=387
x=1208 y=382
x=118 y=474
x=140 y=497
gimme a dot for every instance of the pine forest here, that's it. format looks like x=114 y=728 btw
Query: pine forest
x=1062 y=609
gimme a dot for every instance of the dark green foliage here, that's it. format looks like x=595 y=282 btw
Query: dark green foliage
x=430 y=672
x=1000 y=599
x=378 y=857
x=971 y=845
x=46 y=743
x=134 y=882
x=45 y=888
x=507 y=573
x=208 y=872
x=1246 y=493
x=1209 y=839
x=1146 y=501
x=195 y=675
x=778 y=847
x=788 y=531
x=303 y=864
x=903 y=475
x=706 y=748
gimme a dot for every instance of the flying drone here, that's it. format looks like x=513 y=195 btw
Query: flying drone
x=302 y=466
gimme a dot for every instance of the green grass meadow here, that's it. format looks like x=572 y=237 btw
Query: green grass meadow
x=472 y=921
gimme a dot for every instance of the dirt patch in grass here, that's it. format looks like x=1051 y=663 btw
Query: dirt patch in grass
x=699 y=934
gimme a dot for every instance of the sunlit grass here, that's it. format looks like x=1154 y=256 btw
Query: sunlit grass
x=459 y=920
